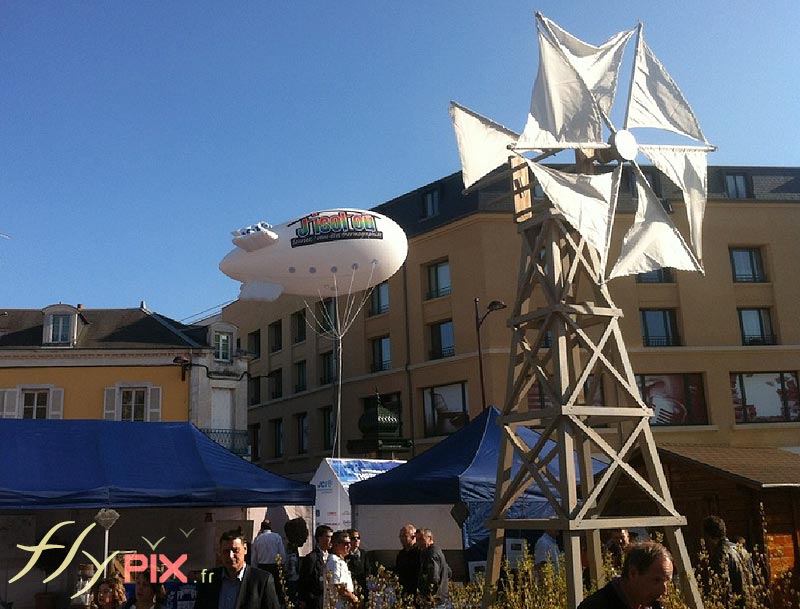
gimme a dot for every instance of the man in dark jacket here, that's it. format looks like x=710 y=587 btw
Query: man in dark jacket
x=406 y=565
x=236 y=585
x=646 y=570
x=728 y=562
x=359 y=561
x=311 y=584
x=434 y=572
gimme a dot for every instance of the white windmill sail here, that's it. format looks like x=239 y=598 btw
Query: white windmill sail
x=656 y=101
x=687 y=168
x=652 y=242
x=482 y=143
x=562 y=114
x=598 y=66
x=575 y=86
x=584 y=200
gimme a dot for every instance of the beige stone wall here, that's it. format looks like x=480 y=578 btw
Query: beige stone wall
x=483 y=251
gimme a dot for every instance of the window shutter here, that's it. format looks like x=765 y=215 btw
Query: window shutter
x=110 y=404
x=55 y=409
x=8 y=404
x=48 y=330
x=154 y=404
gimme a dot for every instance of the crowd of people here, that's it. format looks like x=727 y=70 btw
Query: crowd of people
x=335 y=572
x=338 y=567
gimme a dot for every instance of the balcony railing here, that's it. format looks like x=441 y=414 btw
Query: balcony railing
x=750 y=277
x=379 y=309
x=234 y=440
x=759 y=339
x=437 y=292
x=661 y=341
x=443 y=352
x=657 y=276
x=382 y=365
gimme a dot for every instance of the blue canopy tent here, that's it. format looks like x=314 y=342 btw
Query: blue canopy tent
x=52 y=464
x=461 y=468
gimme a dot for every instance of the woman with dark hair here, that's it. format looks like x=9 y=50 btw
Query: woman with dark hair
x=149 y=595
x=108 y=593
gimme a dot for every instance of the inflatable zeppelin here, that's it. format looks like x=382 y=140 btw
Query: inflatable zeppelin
x=322 y=254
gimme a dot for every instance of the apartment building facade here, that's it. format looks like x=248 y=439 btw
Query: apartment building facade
x=71 y=362
x=717 y=356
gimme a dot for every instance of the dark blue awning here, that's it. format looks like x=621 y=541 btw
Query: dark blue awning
x=462 y=467
x=51 y=464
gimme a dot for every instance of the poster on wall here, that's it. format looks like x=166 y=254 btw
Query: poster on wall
x=764 y=397
x=445 y=409
x=676 y=399
x=538 y=398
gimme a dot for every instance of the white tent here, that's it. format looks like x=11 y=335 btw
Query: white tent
x=332 y=481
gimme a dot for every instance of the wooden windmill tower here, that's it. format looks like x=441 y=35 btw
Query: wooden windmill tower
x=562 y=297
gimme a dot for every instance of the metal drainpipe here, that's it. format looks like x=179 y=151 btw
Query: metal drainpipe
x=409 y=386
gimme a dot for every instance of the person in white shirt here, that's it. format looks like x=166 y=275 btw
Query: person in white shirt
x=339 y=588
x=546 y=550
x=267 y=546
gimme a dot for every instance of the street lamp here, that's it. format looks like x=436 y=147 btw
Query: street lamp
x=495 y=305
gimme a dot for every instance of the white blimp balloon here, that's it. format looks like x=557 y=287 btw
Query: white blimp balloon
x=319 y=254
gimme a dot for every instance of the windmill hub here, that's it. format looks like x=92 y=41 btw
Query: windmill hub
x=624 y=144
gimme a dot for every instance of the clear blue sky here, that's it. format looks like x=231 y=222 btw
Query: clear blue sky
x=135 y=135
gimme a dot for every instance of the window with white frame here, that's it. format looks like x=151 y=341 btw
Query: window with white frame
x=223 y=347
x=132 y=402
x=32 y=402
x=61 y=329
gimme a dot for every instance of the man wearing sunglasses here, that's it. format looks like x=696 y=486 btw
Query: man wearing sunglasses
x=339 y=590
x=359 y=561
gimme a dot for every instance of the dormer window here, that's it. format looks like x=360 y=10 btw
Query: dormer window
x=60 y=325
x=222 y=346
x=223 y=338
x=61 y=332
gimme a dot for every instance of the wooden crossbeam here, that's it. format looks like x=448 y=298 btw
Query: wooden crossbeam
x=557 y=270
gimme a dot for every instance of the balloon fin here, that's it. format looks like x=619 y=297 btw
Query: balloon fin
x=254 y=237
